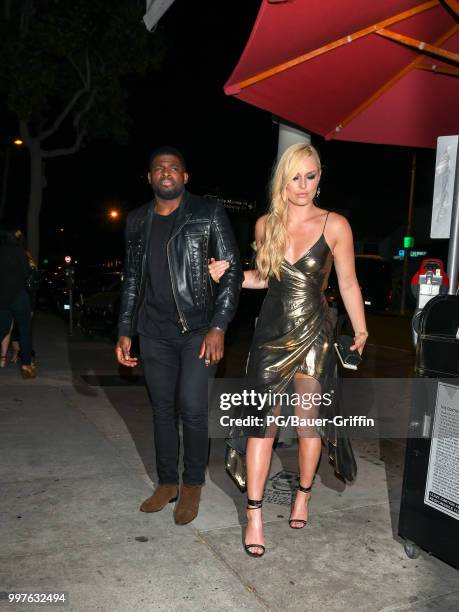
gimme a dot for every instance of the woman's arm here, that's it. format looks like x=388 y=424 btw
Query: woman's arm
x=343 y=252
x=252 y=279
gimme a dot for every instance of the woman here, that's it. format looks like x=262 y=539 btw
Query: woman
x=14 y=298
x=293 y=341
x=12 y=338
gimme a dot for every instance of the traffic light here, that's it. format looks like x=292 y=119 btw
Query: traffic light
x=408 y=242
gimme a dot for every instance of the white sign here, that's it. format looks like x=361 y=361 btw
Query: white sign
x=442 y=486
x=445 y=171
x=155 y=10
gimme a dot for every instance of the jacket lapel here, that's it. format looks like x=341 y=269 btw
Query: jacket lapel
x=146 y=229
x=183 y=214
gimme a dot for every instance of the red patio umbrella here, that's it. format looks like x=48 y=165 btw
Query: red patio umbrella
x=357 y=70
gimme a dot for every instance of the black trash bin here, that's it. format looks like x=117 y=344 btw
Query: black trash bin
x=429 y=510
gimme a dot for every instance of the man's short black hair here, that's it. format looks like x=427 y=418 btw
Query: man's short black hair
x=166 y=150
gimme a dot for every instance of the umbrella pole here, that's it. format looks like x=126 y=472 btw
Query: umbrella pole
x=288 y=135
x=453 y=251
x=408 y=233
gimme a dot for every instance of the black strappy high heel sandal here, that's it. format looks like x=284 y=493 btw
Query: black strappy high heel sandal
x=254 y=504
x=293 y=520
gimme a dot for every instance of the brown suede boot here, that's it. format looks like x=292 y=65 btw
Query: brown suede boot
x=162 y=495
x=188 y=504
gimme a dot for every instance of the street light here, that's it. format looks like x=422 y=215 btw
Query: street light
x=18 y=142
x=114 y=214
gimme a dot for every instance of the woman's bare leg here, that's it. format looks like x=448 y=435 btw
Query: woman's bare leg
x=258 y=458
x=16 y=350
x=5 y=343
x=309 y=447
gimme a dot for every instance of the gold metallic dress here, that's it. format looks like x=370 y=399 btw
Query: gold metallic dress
x=295 y=334
x=295 y=328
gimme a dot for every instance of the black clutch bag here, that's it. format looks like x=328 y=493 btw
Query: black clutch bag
x=349 y=359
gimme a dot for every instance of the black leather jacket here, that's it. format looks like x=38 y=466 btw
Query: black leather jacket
x=201 y=230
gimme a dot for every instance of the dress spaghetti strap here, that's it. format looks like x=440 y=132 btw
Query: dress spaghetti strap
x=326 y=218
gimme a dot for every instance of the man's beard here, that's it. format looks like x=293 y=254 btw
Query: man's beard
x=168 y=194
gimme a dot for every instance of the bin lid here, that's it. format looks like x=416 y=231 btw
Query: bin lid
x=440 y=317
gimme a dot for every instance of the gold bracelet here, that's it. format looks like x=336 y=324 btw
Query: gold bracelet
x=362 y=333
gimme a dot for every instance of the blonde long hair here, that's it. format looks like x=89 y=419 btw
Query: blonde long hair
x=271 y=253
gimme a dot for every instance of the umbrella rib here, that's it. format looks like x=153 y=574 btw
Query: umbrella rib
x=440 y=69
x=377 y=94
x=418 y=44
x=453 y=5
x=265 y=74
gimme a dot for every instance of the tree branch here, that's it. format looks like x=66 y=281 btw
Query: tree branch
x=84 y=110
x=80 y=74
x=69 y=150
x=86 y=80
x=63 y=115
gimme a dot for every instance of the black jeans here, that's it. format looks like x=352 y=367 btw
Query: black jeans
x=20 y=310
x=177 y=381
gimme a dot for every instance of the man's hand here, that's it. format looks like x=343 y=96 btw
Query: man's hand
x=212 y=346
x=122 y=352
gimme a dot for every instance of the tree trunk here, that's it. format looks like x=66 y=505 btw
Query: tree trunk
x=35 y=198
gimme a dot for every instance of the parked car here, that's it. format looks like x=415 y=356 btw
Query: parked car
x=53 y=293
x=98 y=312
x=374 y=274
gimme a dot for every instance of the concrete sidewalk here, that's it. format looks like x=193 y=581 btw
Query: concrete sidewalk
x=77 y=461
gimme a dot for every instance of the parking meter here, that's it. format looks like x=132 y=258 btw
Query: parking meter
x=430 y=280
x=69 y=277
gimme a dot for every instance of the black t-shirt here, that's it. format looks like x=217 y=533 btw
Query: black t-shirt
x=158 y=316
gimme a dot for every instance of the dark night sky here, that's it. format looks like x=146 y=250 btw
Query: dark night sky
x=229 y=146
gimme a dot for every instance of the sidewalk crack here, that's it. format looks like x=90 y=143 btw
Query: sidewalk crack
x=235 y=573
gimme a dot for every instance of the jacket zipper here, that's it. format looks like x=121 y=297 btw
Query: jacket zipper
x=145 y=244
x=210 y=283
x=181 y=315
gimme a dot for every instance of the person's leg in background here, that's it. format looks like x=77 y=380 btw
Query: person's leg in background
x=161 y=362
x=5 y=343
x=22 y=313
x=15 y=347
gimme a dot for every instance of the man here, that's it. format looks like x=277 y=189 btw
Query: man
x=169 y=299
